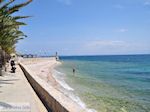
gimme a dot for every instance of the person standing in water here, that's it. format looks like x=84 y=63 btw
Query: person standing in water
x=74 y=71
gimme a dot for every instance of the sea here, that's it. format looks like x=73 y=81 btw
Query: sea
x=107 y=83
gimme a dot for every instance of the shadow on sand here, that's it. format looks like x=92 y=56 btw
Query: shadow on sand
x=6 y=105
x=9 y=81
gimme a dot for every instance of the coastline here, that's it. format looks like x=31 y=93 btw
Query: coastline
x=44 y=68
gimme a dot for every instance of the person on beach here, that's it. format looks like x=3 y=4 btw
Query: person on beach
x=13 y=68
x=56 y=56
x=74 y=71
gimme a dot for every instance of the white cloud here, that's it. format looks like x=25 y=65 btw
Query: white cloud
x=122 y=30
x=147 y=3
x=114 y=47
x=66 y=2
x=105 y=47
x=106 y=43
x=118 y=6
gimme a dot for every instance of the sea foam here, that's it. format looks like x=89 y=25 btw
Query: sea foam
x=68 y=91
x=59 y=78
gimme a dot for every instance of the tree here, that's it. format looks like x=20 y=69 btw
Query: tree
x=9 y=25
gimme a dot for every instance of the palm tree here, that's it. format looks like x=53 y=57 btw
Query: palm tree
x=9 y=27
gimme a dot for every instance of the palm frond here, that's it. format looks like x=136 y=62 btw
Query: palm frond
x=17 y=7
x=6 y=5
x=20 y=17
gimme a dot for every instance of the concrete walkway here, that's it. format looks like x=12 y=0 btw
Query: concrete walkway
x=17 y=95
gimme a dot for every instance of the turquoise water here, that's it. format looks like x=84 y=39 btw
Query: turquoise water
x=110 y=83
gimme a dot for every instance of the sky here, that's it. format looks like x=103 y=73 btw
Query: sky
x=86 y=27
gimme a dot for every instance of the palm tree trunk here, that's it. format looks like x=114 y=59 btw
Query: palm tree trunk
x=1 y=65
x=2 y=61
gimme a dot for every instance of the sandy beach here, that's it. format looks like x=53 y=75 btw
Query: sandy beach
x=44 y=68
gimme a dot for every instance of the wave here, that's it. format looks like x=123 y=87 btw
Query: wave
x=68 y=91
x=59 y=78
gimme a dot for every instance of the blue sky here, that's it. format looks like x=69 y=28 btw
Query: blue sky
x=86 y=27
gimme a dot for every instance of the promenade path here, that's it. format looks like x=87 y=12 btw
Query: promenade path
x=17 y=95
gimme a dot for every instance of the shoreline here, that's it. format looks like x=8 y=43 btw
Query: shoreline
x=44 y=68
